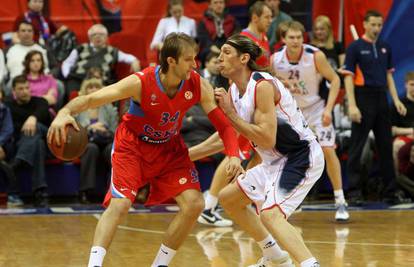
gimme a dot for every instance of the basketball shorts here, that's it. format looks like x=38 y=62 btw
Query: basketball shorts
x=313 y=116
x=285 y=182
x=166 y=167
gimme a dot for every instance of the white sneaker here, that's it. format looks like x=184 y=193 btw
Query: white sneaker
x=213 y=218
x=284 y=261
x=341 y=214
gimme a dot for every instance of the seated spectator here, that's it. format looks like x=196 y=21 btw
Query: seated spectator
x=6 y=148
x=174 y=22
x=17 y=52
x=403 y=126
x=214 y=28
x=44 y=27
x=212 y=73
x=278 y=17
x=280 y=30
x=40 y=84
x=95 y=72
x=406 y=168
x=31 y=119
x=96 y=53
x=101 y=124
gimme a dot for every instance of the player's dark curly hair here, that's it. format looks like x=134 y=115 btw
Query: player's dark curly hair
x=243 y=44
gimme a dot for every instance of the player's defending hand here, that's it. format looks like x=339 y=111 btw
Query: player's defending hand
x=223 y=100
x=234 y=168
x=57 y=129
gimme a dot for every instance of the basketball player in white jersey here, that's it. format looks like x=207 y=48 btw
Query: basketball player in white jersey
x=303 y=66
x=263 y=110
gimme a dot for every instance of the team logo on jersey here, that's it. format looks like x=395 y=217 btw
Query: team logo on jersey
x=182 y=180
x=153 y=97
x=188 y=95
x=384 y=50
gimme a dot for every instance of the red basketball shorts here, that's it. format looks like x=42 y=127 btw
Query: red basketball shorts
x=135 y=163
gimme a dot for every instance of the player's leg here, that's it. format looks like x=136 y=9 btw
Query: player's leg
x=191 y=204
x=333 y=168
x=396 y=145
x=237 y=205
x=292 y=179
x=326 y=138
x=210 y=216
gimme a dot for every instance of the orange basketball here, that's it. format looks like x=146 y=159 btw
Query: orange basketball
x=76 y=142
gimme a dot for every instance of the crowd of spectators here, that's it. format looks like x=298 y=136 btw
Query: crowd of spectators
x=36 y=81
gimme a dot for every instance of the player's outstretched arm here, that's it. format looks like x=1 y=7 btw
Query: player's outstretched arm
x=325 y=69
x=212 y=145
x=127 y=87
x=263 y=131
x=223 y=126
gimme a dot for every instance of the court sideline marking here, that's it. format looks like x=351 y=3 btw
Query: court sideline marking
x=135 y=229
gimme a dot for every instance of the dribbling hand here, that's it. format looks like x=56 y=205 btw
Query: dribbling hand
x=57 y=130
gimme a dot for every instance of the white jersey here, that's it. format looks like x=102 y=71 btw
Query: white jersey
x=293 y=133
x=303 y=75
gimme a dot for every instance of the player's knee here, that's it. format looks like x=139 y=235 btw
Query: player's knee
x=119 y=207
x=271 y=216
x=193 y=206
x=225 y=199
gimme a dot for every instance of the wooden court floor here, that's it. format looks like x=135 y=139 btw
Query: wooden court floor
x=371 y=238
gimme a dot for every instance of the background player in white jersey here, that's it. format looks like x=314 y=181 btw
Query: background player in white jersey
x=262 y=109
x=302 y=66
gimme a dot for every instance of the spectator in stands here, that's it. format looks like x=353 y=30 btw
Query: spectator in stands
x=212 y=73
x=368 y=106
x=96 y=53
x=95 y=72
x=278 y=17
x=281 y=29
x=214 y=28
x=405 y=178
x=174 y=22
x=6 y=149
x=101 y=124
x=403 y=126
x=31 y=120
x=3 y=68
x=40 y=84
x=323 y=39
x=17 y=52
x=44 y=27
x=260 y=17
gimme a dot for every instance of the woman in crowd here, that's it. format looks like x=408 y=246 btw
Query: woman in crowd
x=174 y=22
x=101 y=124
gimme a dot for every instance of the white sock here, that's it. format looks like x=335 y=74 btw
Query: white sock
x=309 y=263
x=211 y=202
x=164 y=256
x=270 y=248
x=339 y=196
x=97 y=256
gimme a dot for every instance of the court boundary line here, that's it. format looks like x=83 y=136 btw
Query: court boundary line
x=142 y=230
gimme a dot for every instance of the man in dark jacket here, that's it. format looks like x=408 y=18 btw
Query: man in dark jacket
x=31 y=120
x=214 y=28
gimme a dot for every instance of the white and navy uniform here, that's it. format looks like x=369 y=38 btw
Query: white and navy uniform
x=305 y=79
x=289 y=170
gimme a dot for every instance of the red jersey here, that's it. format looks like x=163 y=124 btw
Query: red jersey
x=263 y=60
x=158 y=118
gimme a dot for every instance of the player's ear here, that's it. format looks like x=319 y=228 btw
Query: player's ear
x=171 y=61
x=245 y=57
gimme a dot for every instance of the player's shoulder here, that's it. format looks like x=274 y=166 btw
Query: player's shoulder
x=310 y=49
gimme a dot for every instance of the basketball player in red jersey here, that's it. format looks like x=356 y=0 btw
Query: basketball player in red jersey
x=147 y=145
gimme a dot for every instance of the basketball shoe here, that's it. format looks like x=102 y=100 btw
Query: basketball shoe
x=213 y=218
x=284 y=261
x=341 y=214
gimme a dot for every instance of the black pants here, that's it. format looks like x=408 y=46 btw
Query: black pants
x=374 y=108
x=90 y=160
